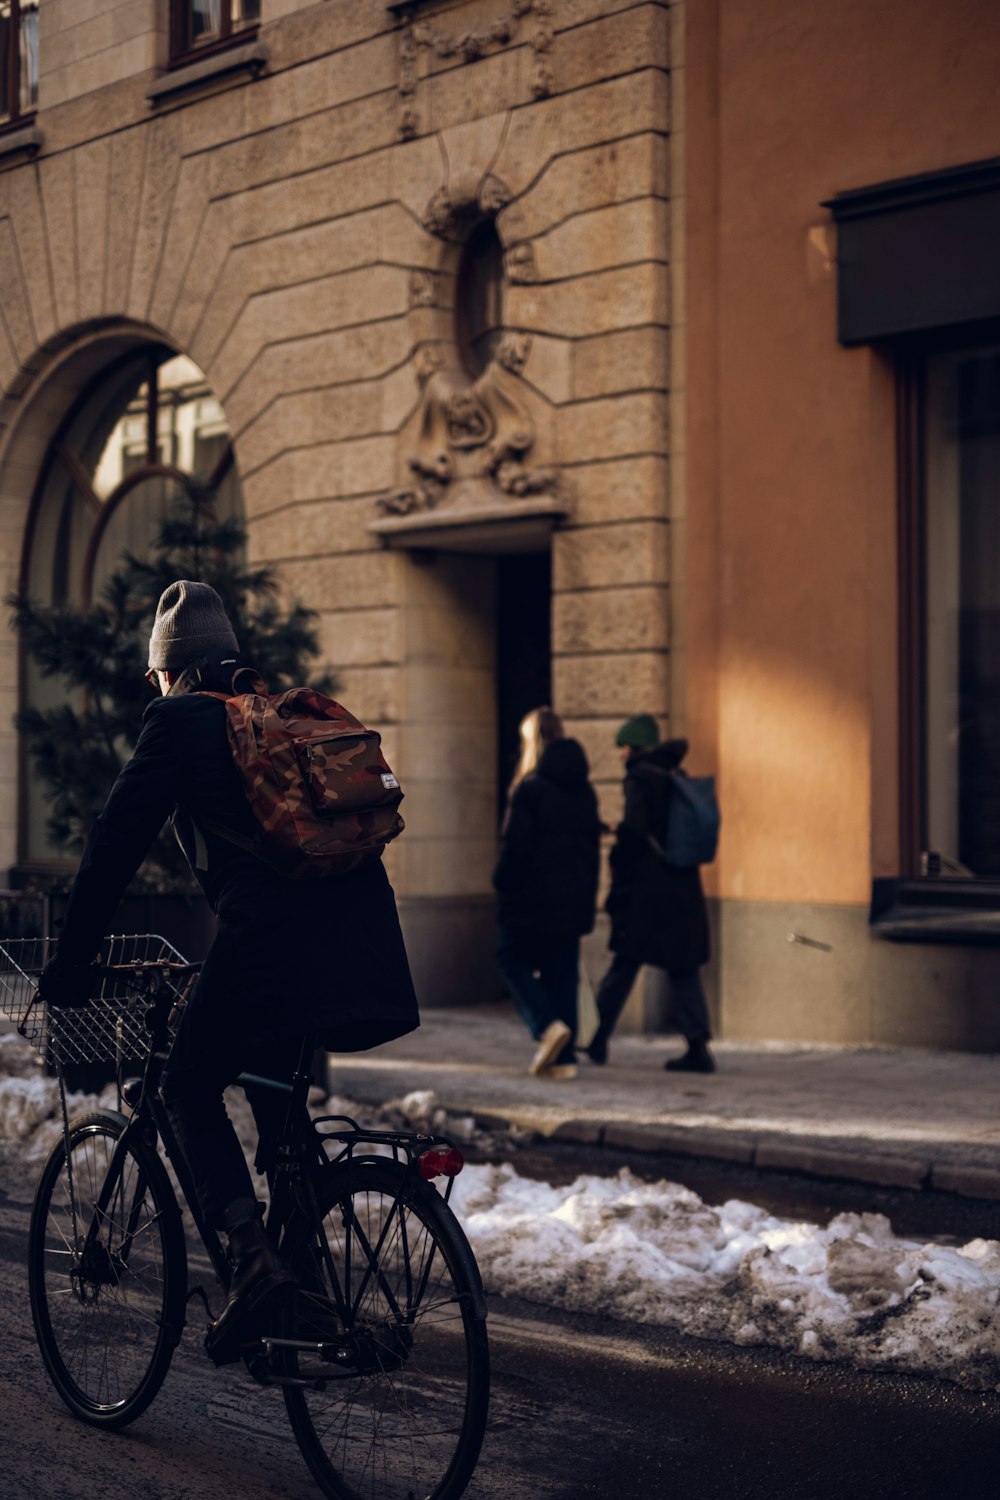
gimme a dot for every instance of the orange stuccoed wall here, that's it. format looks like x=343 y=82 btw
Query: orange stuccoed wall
x=791 y=562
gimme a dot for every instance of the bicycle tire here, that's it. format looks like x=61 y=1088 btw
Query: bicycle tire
x=409 y=1422
x=106 y=1324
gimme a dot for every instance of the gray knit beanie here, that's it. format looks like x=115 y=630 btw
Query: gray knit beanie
x=190 y=621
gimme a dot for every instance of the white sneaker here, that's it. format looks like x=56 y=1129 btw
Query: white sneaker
x=561 y=1071
x=551 y=1042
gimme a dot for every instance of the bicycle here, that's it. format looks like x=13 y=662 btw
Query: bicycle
x=381 y=1351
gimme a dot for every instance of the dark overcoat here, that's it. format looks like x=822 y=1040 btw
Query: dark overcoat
x=290 y=956
x=658 y=913
x=547 y=873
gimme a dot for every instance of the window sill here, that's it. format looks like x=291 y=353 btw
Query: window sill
x=20 y=140
x=936 y=911
x=249 y=57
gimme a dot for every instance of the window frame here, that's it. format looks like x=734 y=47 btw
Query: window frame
x=912 y=357
x=17 y=117
x=183 y=53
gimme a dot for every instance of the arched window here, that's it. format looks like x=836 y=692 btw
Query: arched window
x=479 y=298
x=111 y=475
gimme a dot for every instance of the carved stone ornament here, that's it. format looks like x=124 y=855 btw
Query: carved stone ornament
x=467 y=46
x=423 y=289
x=519 y=263
x=479 y=430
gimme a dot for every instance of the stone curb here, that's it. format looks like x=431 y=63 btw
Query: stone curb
x=882 y=1170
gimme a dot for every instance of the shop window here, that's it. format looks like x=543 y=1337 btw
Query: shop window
x=953 y=643
x=114 y=472
x=18 y=60
x=201 y=26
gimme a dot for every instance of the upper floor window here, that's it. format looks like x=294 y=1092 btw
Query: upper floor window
x=199 y=26
x=18 y=59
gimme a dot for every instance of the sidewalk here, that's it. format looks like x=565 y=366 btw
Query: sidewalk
x=895 y=1117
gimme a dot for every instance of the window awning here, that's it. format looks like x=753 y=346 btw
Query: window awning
x=918 y=253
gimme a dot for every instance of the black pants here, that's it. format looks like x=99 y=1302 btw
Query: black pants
x=687 y=999
x=207 y=1056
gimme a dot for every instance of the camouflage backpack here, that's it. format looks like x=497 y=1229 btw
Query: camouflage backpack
x=316 y=780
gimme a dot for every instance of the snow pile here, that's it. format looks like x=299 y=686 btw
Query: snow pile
x=655 y=1253
x=30 y=1113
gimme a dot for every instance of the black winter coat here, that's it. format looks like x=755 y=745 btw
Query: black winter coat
x=549 y=863
x=290 y=956
x=658 y=913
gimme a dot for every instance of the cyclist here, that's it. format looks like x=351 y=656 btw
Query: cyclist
x=290 y=956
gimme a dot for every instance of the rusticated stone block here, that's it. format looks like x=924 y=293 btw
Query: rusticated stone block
x=361 y=466
x=599 y=303
x=629 y=619
x=366 y=579
x=334 y=302
x=613 y=426
x=23 y=202
x=604 y=238
x=362 y=637
x=490 y=86
x=331 y=359
x=615 y=684
x=318 y=527
x=549 y=367
x=569 y=122
x=633 y=359
x=632 y=553
x=592 y=178
x=373 y=693
x=625 y=42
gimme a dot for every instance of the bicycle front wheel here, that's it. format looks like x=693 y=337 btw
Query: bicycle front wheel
x=107 y=1271
x=392 y=1294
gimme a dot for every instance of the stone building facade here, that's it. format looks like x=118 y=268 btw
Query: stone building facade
x=421 y=255
x=628 y=356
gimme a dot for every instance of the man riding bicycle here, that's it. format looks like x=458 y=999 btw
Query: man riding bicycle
x=290 y=957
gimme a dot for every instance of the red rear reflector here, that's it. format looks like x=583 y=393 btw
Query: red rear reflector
x=440 y=1164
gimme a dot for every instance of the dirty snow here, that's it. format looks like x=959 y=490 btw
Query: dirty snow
x=655 y=1253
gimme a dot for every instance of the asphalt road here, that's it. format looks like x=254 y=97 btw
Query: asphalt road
x=582 y=1407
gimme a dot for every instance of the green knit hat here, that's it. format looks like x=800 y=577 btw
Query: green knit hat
x=640 y=733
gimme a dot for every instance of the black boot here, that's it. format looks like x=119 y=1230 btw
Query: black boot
x=697 y=1059
x=597 y=1051
x=259 y=1279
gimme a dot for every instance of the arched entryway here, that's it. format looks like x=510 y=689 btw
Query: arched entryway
x=104 y=445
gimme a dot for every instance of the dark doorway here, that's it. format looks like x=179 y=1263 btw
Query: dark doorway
x=524 y=658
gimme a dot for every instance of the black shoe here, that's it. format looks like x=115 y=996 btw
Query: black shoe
x=258 y=1283
x=697 y=1059
x=598 y=1049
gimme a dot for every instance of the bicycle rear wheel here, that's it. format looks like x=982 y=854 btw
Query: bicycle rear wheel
x=391 y=1287
x=108 y=1305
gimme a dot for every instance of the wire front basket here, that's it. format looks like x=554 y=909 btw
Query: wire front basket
x=112 y=1027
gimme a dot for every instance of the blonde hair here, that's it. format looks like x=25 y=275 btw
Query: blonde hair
x=537 y=729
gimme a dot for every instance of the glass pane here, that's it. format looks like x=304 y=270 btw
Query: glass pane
x=29 y=55
x=245 y=13
x=204 y=20
x=6 y=104
x=963 y=613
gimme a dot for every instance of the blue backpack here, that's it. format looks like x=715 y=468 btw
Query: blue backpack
x=692 y=832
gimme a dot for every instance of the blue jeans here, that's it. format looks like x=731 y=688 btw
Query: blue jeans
x=542 y=974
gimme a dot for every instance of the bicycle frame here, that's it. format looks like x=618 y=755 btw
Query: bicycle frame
x=302 y=1140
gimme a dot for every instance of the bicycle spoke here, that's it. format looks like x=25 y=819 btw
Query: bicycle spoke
x=409 y=1419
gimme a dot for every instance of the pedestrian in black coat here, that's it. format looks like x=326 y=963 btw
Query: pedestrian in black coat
x=658 y=913
x=546 y=880
x=290 y=957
